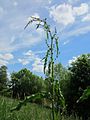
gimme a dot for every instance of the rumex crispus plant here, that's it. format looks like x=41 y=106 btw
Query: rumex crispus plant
x=52 y=52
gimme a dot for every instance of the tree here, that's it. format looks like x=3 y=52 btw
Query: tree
x=61 y=76
x=60 y=73
x=3 y=77
x=24 y=83
x=80 y=80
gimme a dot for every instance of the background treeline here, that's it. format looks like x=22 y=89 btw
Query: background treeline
x=73 y=81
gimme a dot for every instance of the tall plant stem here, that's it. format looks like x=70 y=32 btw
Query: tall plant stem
x=51 y=55
x=51 y=40
x=52 y=76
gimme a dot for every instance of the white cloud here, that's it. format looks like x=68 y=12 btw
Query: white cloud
x=42 y=1
x=15 y=3
x=49 y=1
x=66 y=14
x=33 y=15
x=12 y=33
x=36 y=15
x=29 y=53
x=21 y=40
x=7 y=56
x=66 y=42
x=23 y=61
x=12 y=39
x=62 y=14
x=30 y=40
x=72 y=60
x=8 y=75
x=31 y=56
x=73 y=1
x=37 y=65
x=86 y=18
x=1 y=12
x=81 y=10
x=3 y=62
x=76 y=32
x=40 y=52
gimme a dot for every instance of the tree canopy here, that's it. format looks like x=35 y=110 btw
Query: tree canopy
x=79 y=81
x=24 y=83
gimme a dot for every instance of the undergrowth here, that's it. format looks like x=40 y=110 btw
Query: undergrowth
x=31 y=111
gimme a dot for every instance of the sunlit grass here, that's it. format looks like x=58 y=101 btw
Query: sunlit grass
x=28 y=112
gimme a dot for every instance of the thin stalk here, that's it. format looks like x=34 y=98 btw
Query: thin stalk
x=51 y=40
x=52 y=76
x=49 y=58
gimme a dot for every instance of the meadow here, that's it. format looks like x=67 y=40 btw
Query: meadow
x=31 y=111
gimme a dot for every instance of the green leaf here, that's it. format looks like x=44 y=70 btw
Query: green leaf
x=57 y=48
x=85 y=95
x=49 y=67
x=47 y=34
x=29 y=99
x=46 y=59
x=47 y=43
x=28 y=24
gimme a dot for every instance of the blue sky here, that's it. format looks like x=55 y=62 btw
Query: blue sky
x=21 y=48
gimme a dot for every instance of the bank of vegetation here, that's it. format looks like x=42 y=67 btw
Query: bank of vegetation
x=74 y=84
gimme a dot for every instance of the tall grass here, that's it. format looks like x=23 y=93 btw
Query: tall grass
x=28 y=112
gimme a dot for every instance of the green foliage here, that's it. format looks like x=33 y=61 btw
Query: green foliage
x=28 y=112
x=59 y=98
x=60 y=73
x=3 y=78
x=49 y=59
x=76 y=87
x=85 y=95
x=33 y=97
x=24 y=83
x=51 y=40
